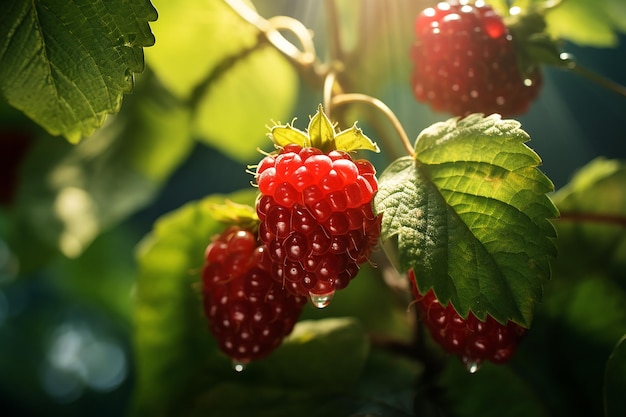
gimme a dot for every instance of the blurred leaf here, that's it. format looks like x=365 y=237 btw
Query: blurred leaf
x=235 y=109
x=237 y=84
x=493 y=391
x=303 y=361
x=470 y=216
x=67 y=64
x=615 y=381
x=72 y=193
x=588 y=22
x=194 y=38
x=592 y=229
x=173 y=344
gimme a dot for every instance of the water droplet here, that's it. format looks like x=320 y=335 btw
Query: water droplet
x=321 y=300
x=239 y=366
x=528 y=82
x=472 y=365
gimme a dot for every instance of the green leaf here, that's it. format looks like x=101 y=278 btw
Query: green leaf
x=592 y=232
x=173 y=344
x=72 y=193
x=67 y=64
x=588 y=22
x=615 y=381
x=470 y=216
x=235 y=83
x=306 y=349
x=194 y=38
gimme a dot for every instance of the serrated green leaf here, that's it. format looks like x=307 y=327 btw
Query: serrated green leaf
x=67 y=64
x=615 y=382
x=470 y=216
x=70 y=194
x=588 y=22
x=172 y=341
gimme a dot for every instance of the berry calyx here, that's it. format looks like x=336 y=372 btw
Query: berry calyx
x=473 y=340
x=315 y=209
x=466 y=61
x=249 y=313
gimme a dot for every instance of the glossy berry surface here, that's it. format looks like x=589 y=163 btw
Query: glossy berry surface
x=465 y=62
x=474 y=341
x=316 y=218
x=249 y=313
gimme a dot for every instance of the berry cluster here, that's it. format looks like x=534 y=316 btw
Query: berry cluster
x=316 y=218
x=473 y=340
x=249 y=314
x=465 y=61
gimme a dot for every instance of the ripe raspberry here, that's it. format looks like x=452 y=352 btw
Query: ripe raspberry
x=249 y=314
x=473 y=340
x=316 y=218
x=466 y=62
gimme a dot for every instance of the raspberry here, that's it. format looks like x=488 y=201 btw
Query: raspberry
x=316 y=218
x=466 y=62
x=249 y=314
x=473 y=340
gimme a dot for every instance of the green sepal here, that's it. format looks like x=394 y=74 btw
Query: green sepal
x=284 y=135
x=322 y=134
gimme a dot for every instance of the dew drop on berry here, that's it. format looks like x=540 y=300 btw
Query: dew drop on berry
x=471 y=365
x=321 y=300
x=238 y=366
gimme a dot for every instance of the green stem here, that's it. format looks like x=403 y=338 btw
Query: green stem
x=598 y=79
x=382 y=107
x=335 y=45
x=593 y=218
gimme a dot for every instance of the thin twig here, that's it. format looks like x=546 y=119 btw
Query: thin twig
x=382 y=107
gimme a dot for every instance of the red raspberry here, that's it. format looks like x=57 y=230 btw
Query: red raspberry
x=249 y=314
x=466 y=62
x=316 y=218
x=473 y=340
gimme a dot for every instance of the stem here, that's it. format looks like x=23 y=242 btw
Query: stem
x=593 y=218
x=304 y=57
x=335 y=45
x=594 y=77
x=382 y=107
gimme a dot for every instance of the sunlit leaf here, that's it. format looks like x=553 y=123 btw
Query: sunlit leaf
x=67 y=64
x=236 y=84
x=71 y=193
x=592 y=230
x=236 y=108
x=470 y=216
x=195 y=37
x=588 y=22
